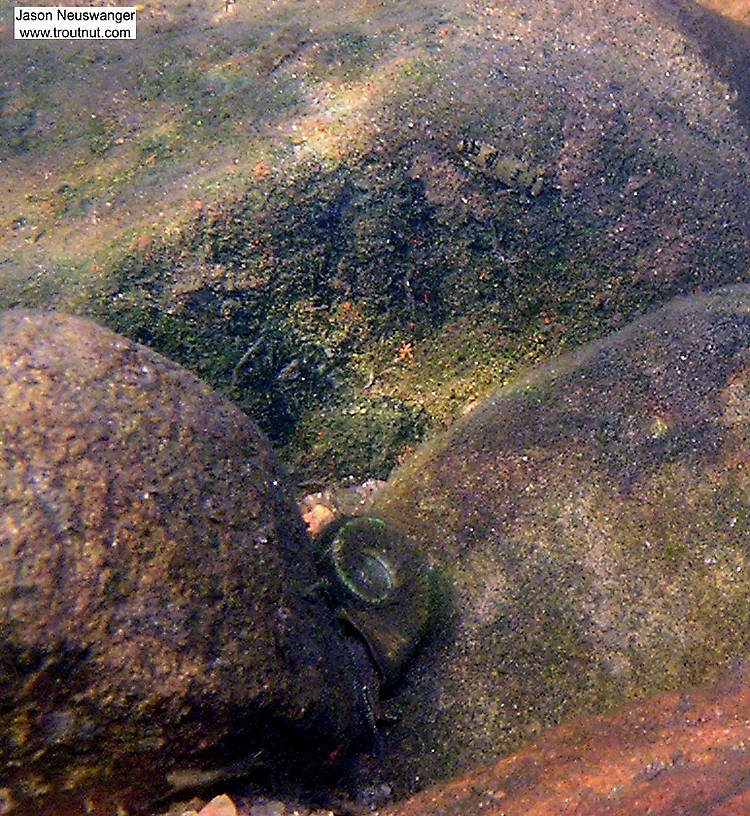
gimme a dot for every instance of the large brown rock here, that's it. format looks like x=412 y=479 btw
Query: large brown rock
x=155 y=610
x=590 y=522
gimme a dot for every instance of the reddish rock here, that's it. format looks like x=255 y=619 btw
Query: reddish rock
x=219 y=806
x=679 y=753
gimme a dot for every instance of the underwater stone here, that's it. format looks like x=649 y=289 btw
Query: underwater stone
x=155 y=612
x=592 y=521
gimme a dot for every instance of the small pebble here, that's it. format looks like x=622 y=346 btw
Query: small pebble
x=272 y=808
x=219 y=806
x=317 y=517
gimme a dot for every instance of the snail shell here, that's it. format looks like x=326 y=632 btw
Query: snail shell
x=380 y=585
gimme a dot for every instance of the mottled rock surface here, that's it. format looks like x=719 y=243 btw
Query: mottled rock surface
x=154 y=580
x=680 y=753
x=358 y=217
x=590 y=522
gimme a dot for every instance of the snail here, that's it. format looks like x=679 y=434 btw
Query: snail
x=380 y=586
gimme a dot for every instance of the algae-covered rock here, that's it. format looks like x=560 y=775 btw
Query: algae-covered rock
x=155 y=612
x=592 y=522
x=397 y=205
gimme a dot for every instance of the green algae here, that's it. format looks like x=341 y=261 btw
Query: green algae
x=297 y=183
x=279 y=299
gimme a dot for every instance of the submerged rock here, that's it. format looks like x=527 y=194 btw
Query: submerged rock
x=434 y=192
x=591 y=520
x=155 y=606
x=683 y=752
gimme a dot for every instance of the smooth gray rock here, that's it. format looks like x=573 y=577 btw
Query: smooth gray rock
x=591 y=522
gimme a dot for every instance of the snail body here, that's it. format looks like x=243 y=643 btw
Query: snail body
x=379 y=585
